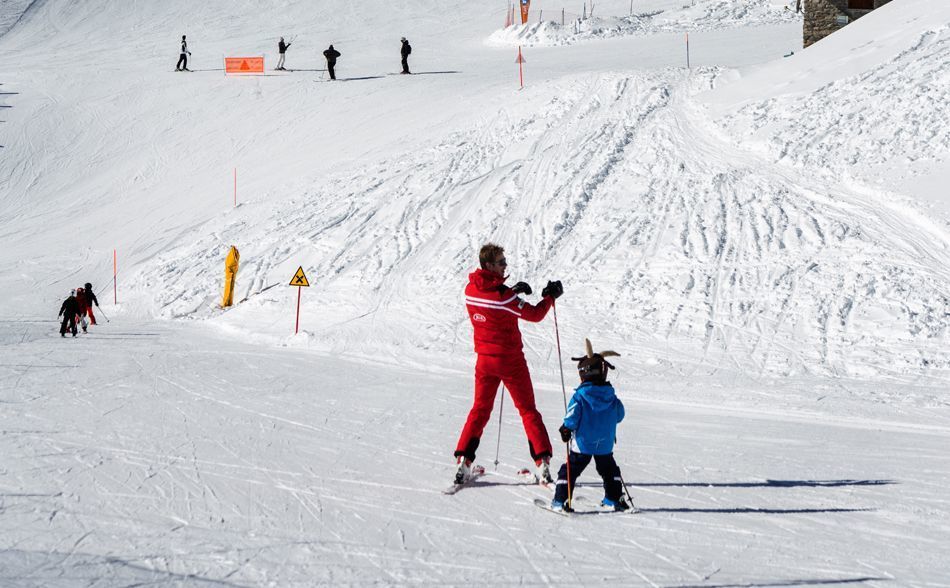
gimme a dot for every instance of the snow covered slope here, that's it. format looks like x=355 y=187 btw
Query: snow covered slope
x=782 y=316
x=672 y=232
x=680 y=236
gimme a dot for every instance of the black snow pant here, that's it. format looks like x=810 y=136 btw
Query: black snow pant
x=330 y=66
x=606 y=467
x=405 y=64
x=182 y=62
x=69 y=324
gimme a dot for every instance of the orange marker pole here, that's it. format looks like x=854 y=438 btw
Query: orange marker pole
x=297 y=328
x=520 y=67
x=115 y=287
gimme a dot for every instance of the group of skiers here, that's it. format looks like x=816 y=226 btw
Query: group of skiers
x=590 y=424
x=76 y=308
x=330 y=54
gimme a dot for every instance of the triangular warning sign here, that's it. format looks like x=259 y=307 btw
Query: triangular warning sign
x=300 y=279
x=245 y=66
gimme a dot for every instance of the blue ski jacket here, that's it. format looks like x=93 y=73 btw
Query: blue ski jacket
x=593 y=414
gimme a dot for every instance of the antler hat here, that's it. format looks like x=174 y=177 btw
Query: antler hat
x=593 y=367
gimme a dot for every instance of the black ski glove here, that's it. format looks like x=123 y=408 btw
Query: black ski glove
x=553 y=289
x=522 y=288
x=565 y=433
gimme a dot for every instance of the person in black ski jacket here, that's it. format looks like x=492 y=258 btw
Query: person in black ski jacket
x=68 y=311
x=183 y=57
x=405 y=51
x=282 y=49
x=90 y=300
x=331 y=54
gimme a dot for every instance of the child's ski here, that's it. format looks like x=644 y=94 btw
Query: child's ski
x=546 y=505
x=586 y=511
x=477 y=472
x=606 y=509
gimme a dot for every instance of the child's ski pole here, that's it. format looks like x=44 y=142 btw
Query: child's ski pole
x=627 y=492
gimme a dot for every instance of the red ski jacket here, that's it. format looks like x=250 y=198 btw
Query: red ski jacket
x=494 y=311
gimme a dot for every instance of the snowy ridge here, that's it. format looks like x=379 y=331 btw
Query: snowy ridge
x=680 y=17
x=617 y=185
x=884 y=122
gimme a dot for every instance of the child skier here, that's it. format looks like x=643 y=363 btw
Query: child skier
x=90 y=300
x=591 y=420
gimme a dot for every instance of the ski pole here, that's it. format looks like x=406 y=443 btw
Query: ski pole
x=560 y=363
x=103 y=314
x=501 y=409
x=627 y=492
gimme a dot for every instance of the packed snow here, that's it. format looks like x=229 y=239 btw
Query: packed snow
x=763 y=237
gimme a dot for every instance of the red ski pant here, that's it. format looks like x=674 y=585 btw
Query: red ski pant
x=92 y=317
x=512 y=371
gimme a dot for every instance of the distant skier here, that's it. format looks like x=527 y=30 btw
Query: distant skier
x=68 y=311
x=331 y=54
x=90 y=300
x=282 y=49
x=494 y=310
x=83 y=303
x=183 y=57
x=591 y=421
x=405 y=51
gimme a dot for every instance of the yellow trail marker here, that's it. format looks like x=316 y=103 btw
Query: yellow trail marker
x=230 y=274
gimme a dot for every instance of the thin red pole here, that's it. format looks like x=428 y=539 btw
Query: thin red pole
x=115 y=287
x=297 y=328
x=520 y=67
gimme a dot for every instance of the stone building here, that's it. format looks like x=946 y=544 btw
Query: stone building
x=823 y=17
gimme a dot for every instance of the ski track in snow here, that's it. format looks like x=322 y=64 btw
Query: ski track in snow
x=621 y=183
x=160 y=466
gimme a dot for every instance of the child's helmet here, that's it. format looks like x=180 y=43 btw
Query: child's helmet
x=593 y=367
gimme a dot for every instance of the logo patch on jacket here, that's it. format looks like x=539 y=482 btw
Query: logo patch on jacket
x=520 y=304
x=479 y=318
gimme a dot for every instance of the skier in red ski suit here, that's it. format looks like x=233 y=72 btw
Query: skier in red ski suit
x=494 y=310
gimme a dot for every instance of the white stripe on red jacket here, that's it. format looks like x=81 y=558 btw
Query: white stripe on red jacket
x=494 y=311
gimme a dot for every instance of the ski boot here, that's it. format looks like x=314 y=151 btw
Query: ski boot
x=464 y=472
x=543 y=473
x=558 y=506
x=618 y=505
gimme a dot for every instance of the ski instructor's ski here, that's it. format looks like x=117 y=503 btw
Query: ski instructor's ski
x=477 y=472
